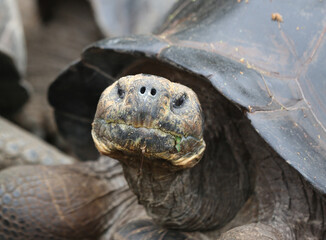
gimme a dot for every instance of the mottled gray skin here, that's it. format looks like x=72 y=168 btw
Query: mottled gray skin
x=148 y=116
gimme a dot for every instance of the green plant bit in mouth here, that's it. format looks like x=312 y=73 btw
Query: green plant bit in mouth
x=177 y=143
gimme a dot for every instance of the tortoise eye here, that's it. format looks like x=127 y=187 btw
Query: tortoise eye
x=121 y=92
x=178 y=102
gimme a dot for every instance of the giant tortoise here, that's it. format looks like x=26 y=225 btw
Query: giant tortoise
x=240 y=156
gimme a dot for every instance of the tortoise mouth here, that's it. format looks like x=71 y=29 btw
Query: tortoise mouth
x=114 y=139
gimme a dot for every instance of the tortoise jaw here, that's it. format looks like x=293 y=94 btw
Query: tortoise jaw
x=125 y=142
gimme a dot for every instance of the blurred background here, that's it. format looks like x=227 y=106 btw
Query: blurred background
x=55 y=34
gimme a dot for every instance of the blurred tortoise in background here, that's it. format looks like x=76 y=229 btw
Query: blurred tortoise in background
x=17 y=147
x=13 y=93
x=50 y=28
x=261 y=90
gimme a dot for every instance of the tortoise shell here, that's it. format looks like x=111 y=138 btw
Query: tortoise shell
x=266 y=57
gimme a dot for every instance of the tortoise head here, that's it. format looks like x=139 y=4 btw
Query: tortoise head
x=155 y=128
x=149 y=117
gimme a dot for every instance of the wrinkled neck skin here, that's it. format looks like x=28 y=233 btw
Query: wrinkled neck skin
x=204 y=197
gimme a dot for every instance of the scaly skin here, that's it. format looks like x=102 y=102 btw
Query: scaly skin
x=78 y=201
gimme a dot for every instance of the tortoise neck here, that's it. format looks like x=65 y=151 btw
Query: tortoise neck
x=204 y=197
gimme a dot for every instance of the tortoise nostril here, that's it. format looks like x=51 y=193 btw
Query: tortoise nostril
x=142 y=90
x=121 y=93
x=179 y=101
x=153 y=91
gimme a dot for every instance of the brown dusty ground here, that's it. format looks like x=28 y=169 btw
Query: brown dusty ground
x=51 y=46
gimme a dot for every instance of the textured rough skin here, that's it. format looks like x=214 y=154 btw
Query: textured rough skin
x=149 y=117
x=78 y=201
